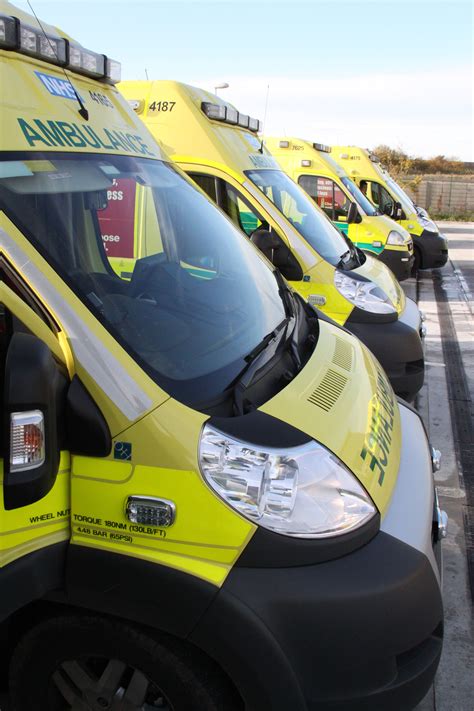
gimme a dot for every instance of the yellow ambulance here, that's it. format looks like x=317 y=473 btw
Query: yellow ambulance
x=365 y=169
x=210 y=497
x=220 y=149
x=311 y=166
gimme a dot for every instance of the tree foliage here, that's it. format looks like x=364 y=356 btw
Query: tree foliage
x=398 y=163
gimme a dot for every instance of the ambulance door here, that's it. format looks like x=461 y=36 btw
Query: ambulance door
x=34 y=461
x=248 y=219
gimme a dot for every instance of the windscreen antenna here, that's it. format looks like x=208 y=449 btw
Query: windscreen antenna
x=264 y=120
x=82 y=109
x=146 y=74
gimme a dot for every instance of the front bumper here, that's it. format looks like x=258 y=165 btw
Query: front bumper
x=363 y=632
x=399 y=261
x=398 y=347
x=433 y=248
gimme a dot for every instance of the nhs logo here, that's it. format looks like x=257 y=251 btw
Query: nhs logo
x=56 y=86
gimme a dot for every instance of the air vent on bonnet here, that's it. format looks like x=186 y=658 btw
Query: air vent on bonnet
x=328 y=390
x=342 y=354
x=334 y=382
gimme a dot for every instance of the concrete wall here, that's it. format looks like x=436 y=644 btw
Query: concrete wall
x=452 y=194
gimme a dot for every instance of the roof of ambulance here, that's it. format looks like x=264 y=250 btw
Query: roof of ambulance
x=320 y=159
x=33 y=111
x=188 y=135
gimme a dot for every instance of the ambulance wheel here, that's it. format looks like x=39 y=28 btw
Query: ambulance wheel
x=89 y=663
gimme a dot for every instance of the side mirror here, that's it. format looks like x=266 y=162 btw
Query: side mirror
x=352 y=213
x=398 y=211
x=34 y=401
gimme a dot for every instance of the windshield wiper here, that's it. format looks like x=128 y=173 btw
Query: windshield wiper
x=256 y=360
x=268 y=347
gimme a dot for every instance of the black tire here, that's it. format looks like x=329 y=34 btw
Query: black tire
x=88 y=662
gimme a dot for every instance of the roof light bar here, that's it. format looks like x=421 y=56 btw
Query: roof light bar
x=84 y=62
x=255 y=125
x=321 y=147
x=284 y=144
x=306 y=163
x=243 y=120
x=32 y=41
x=227 y=114
x=45 y=46
x=232 y=115
x=8 y=32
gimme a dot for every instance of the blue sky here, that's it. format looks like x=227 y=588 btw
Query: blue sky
x=363 y=72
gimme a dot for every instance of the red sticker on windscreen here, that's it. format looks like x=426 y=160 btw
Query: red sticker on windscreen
x=117 y=221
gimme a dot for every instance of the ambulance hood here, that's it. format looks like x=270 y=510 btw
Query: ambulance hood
x=342 y=399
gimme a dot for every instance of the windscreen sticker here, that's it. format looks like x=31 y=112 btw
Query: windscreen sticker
x=61 y=133
x=40 y=166
x=261 y=161
x=57 y=86
x=117 y=223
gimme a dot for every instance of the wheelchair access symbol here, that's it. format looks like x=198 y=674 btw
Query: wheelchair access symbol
x=123 y=450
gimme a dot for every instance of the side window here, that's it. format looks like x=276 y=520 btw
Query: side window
x=381 y=197
x=241 y=212
x=206 y=183
x=327 y=195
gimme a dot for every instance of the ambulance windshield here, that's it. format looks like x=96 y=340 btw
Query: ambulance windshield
x=301 y=212
x=160 y=267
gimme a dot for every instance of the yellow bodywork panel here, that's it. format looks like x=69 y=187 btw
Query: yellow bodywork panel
x=207 y=536
x=37 y=525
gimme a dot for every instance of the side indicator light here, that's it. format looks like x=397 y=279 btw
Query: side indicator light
x=150 y=511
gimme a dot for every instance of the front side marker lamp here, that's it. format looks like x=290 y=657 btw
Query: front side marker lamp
x=150 y=511
x=136 y=105
x=304 y=491
x=316 y=300
x=306 y=163
x=284 y=144
x=27 y=446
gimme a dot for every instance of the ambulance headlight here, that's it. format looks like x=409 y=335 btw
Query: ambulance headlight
x=396 y=238
x=364 y=294
x=303 y=491
x=427 y=223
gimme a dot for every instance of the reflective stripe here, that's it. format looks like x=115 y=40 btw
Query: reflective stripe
x=103 y=367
